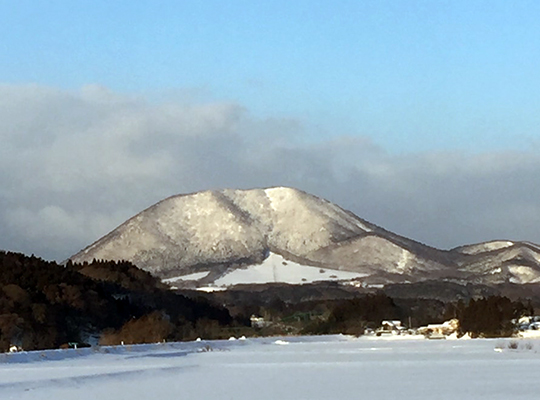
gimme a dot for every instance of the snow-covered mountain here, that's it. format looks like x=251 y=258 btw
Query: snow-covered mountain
x=500 y=261
x=225 y=237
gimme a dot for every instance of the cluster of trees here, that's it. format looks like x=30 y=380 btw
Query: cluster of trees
x=45 y=305
x=353 y=316
x=490 y=317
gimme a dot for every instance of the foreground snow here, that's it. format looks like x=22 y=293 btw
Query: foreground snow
x=331 y=367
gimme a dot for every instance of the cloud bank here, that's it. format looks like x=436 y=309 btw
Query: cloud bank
x=76 y=164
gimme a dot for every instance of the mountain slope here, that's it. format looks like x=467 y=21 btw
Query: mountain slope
x=201 y=239
x=218 y=231
x=500 y=261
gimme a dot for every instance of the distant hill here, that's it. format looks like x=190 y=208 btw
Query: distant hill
x=217 y=239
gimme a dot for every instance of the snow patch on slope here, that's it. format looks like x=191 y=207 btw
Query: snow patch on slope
x=485 y=247
x=406 y=257
x=276 y=269
x=522 y=274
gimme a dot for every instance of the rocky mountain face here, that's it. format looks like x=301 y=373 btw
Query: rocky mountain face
x=219 y=238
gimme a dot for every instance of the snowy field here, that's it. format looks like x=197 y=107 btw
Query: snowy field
x=329 y=367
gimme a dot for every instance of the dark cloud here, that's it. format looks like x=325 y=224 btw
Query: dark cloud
x=74 y=165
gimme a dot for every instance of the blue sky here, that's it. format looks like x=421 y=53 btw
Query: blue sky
x=411 y=75
x=420 y=116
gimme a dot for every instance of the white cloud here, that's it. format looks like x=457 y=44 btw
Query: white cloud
x=75 y=164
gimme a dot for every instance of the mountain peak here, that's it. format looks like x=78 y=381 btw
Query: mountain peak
x=210 y=234
x=225 y=226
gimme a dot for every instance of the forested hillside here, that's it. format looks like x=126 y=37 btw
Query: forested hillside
x=45 y=305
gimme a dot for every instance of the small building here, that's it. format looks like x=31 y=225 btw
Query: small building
x=259 y=322
x=15 y=349
x=527 y=323
x=439 y=330
x=393 y=327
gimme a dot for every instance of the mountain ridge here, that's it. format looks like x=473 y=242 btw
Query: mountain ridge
x=223 y=230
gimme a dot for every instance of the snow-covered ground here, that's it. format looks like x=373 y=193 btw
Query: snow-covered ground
x=275 y=268
x=330 y=367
